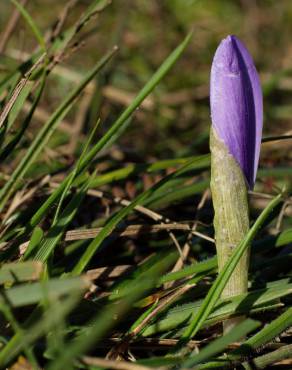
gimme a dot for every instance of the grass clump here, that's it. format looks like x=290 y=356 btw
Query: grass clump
x=107 y=242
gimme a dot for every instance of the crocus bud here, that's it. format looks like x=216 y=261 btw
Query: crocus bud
x=235 y=138
x=237 y=104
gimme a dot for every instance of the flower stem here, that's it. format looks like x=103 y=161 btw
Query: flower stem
x=231 y=220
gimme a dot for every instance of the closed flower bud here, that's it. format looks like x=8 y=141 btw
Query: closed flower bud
x=235 y=139
x=237 y=104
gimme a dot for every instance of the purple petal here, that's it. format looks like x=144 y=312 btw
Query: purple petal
x=237 y=104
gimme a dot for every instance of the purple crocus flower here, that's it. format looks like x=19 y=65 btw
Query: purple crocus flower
x=237 y=104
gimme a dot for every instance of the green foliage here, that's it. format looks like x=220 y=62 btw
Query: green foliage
x=106 y=227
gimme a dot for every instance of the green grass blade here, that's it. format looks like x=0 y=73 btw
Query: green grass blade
x=66 y=37
x=59 y=224
x=35 y=240
x=146 y=90
x=46 y=132
x=75 y=171
x=52 y=317
x=21 y=271
x=220 y=344
x=18 y=104
x=104 y=319
x=263 y=362
x=164 y=198
x=28 y=294
x=123 y=287
x=56 y=232
x=118 y=217
x=8 y=314
x=196 y=268
x=219 y=284
x=255 y=301
x=118 y=124
x=267 y=334
x=202 y=162
x=9 y=147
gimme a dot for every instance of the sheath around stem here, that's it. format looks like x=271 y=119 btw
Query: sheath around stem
x=231 y=220
x=237 y=118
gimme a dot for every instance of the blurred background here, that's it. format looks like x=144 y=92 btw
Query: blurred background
x=164 y=149
x=174 y=121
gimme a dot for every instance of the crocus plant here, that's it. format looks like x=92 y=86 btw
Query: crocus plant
x=237 y=116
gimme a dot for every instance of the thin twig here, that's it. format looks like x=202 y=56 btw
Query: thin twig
x=61 y=20
x=119 y=365
x=186 y=248
x=160 y=344
x=163 y=304
x=124 y=343
x=145 y=211
x=281 y=216
x=108 y=272
x=260 y=195
x=131 y=230
x=77 y=27
x=277 y=139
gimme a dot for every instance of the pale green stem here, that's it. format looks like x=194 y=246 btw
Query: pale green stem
x=264 y=361
x=231 y=220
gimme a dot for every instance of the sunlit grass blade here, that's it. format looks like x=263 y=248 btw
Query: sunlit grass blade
x=19 y=272
x=28 y=294
x=259 y=300
x=18 y=104
x=218 y=345
x=53 y=316
x=46 y=132
x=146 y=90
x=59 y=223
x=112 y=222
x=117 y=125
x=35 y=240
x=198 y=163
x=75 y=171
x=179 y=193
x=103 y=322
x=197 y=268
x=9 y=316
x=123 y=286
x=56 y=232
x=267 y=334
x=220 y=282
x=263 y=362
x=9 y=147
